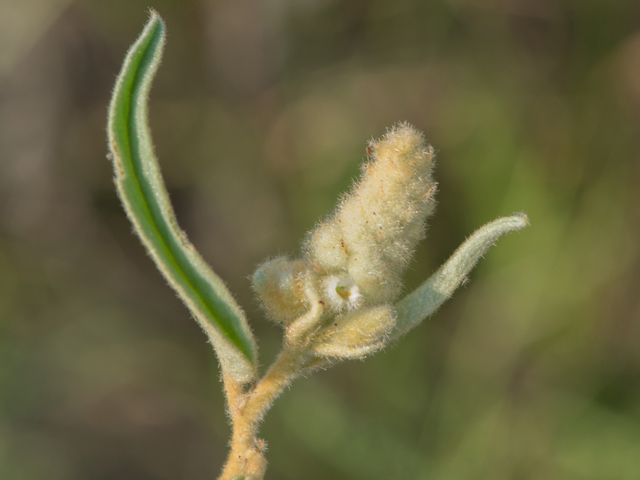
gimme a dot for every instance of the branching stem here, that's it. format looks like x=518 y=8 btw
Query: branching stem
x=247 y=409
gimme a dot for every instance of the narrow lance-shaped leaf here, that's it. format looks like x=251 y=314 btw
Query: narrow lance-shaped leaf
x=428 y=297
x=146 y=201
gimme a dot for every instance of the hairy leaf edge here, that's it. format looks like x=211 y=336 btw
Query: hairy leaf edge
x=438 y=288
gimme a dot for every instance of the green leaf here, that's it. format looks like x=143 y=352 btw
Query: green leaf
x=146 y=201
x=438 y=288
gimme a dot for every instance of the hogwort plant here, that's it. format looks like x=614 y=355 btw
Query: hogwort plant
x=336 y=301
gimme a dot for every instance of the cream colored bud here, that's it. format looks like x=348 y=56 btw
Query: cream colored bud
x=279 y=284
x=374 y=231
x=365 y=269
x=356 y=334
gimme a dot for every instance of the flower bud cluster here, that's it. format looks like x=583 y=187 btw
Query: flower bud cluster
x=375 y=229
x=354 y=259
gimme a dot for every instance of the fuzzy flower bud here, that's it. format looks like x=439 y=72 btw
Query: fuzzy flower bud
x=356 y=334
x=374 y=231
x=279 y=284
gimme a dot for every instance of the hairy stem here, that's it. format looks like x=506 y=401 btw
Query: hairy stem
x=247 y=410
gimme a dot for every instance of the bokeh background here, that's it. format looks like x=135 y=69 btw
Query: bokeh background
x=261 y=113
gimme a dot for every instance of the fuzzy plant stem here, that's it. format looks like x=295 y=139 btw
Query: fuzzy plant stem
x=247 y=408
x=246 y=457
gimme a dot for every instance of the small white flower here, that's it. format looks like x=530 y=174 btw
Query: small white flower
x=341 y=293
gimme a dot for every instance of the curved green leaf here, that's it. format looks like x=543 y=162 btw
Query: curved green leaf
x=146 y=201
x=438 y=288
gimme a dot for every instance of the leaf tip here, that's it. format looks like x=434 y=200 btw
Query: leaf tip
x=523 y=220
x=154 y=15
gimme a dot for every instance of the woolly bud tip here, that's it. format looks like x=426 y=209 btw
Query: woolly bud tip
x=279 y=284
x=356 y=334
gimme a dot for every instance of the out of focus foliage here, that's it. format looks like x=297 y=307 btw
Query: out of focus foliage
x=531 y=372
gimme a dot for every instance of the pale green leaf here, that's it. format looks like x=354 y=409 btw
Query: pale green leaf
x=428 y=297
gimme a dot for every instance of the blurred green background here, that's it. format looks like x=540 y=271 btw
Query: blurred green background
x=261 y=114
